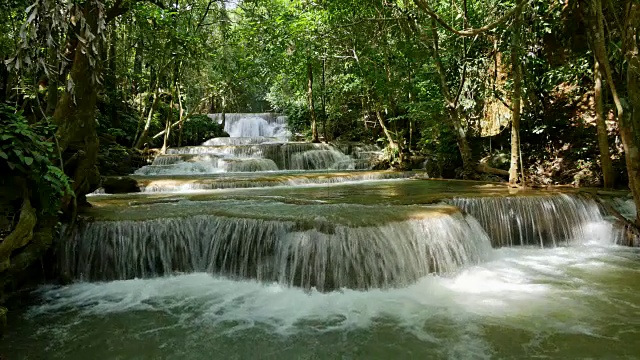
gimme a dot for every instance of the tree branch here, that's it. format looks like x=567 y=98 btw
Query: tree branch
x=121 y=7
x=424 y=6
x=464 y=56
x=204 y=16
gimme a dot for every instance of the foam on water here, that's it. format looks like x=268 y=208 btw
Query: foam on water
x=531 y=293
x=205 y=167
x=239 y=125
x=311 y=252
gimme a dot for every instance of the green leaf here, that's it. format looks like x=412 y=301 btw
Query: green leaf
x=27 y=160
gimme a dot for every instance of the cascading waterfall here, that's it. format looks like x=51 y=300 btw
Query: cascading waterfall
x=285 y=265
x=550 y=220
x=250 y=165
x=259 y=136
x=320 y=255
x=234 y=141
x=239 y=125
x=321 y=159
x=209 y=183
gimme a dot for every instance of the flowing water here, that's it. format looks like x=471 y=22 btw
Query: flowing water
x=333 y=265
x=259 y=143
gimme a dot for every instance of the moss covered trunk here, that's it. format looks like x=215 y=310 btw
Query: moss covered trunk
x=603 y=135
x=75 y=116
x=630 y=123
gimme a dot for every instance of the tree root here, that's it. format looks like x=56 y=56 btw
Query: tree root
x=21 y=235
x=484 y=168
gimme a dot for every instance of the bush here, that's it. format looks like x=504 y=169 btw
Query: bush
x=197 y=129
x=26 y=151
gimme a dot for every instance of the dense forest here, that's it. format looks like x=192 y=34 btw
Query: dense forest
x=536 y=92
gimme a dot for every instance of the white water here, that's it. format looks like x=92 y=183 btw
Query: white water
x=550 y=220
x=239 y=125
x=275 y=179
x=310 y=251
x=522 y=303
x=257 y=143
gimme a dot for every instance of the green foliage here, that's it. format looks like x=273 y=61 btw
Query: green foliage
x=199 y=128
x=27 y=152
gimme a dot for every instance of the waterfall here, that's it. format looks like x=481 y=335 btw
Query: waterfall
x=321 y=159
x=258 y=143
x=542 y=220
x=320 y=255
x=280 y=156
x=250 y=165
x=209 y=183
x=167 y=160
x=234 y=141
x=254 y=125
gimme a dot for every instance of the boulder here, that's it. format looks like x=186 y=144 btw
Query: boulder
x=120 y=185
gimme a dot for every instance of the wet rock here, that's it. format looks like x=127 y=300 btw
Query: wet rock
x=120 y=185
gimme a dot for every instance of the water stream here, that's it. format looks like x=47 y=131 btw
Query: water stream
x=255 y=263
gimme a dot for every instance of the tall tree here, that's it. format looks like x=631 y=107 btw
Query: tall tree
x=603 y=134
x=516 y=97
x=630 y=123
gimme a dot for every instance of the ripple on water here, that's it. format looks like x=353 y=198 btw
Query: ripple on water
x=560 y=302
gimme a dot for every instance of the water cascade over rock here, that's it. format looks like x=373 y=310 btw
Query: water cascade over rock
x=541 y=220
x=307 y=252
x=258 y=143
x=256 y=180
x=248 y=125
x=346 y=236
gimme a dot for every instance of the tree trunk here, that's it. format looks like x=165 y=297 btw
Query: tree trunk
x=180 y=115
x=393 y=144
x=516 y=99
x=110 y=79
x=110 y=76
x=167 y=131
x=312 y=112
x=452 y=109
x=630 y=126
x=75 y=117
x=224 y=112
x=324 y=100
x=52 y=86
x=603 y=135
x=4 y=80
x=137 y=65
x=145 y=132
